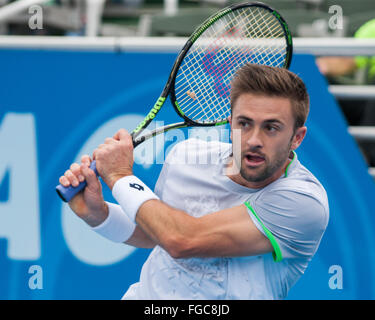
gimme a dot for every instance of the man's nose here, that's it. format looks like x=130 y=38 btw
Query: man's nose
x=254 y=140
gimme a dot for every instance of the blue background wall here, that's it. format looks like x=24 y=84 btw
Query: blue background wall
x=55 y=106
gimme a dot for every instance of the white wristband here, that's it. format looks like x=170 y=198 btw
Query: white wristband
x=117 y=227
x=130 y=192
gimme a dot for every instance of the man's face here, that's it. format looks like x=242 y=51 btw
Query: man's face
x=265 y=126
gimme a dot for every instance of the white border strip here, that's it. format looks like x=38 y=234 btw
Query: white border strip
x=353 y=91
x=334 y=46
x=93 y=43
x=315 y=46
x=371 y=171
x=363 y=133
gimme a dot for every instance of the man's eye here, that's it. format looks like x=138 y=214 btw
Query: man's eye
x=272 y=128
x=243 y=124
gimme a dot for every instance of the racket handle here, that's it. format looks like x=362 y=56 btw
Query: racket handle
x=67 y=193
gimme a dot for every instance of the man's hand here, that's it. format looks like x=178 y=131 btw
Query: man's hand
x=88 y=204
x=114 y=159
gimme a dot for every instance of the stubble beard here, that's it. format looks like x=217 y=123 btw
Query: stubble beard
x=270 y=168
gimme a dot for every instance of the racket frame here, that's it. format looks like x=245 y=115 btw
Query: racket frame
x=68 y=193
x=169 y=88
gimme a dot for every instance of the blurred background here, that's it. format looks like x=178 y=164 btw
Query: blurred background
x=74 y=71
x=351 y=76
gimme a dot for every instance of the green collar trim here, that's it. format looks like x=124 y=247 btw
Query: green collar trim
x=276 y=253
x=287 y=167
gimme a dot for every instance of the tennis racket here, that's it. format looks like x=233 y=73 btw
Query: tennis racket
x=199 y=83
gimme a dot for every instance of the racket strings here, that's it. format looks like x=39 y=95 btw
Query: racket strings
x=221 y=94
x=211 y=34
x=232 y=61
x=202 y=84
x=239 y=55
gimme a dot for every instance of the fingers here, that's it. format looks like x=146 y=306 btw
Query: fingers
x=123 y=135
x=120 y=136
x=94 y=154
x=76 y=170
x=110 y=141
x=79 y=173
x=69 y=178
x=90 y=177
x=73 y=176
x=64 y=181
x=107 y=142
x=85 y=159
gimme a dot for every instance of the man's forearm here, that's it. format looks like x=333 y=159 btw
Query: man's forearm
x=140 y=239
x=94 y=219
x=168 y=227
x=127 y=231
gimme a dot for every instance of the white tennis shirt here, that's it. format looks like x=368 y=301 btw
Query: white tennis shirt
x=292 y=212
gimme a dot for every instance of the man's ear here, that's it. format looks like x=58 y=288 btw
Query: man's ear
x=298 y=137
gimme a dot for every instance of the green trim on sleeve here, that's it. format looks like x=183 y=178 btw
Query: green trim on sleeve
x=276 y=253
x=287 y=168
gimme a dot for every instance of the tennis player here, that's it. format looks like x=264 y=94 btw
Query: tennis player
x=244 y=226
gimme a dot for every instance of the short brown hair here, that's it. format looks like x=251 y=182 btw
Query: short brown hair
x=272 y=81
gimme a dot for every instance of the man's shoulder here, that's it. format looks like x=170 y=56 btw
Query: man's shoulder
x=295 y=209
x=302 y=181
x=299 y=191
x=305 y=193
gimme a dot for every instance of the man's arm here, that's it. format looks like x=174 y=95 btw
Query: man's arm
x=89 y=204
x=336 y=66
x=140 y=239
x=229 y=232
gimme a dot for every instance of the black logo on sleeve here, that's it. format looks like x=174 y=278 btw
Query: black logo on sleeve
x=136 y=186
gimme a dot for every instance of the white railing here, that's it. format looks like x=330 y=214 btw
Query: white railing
x=334 y=46
x=315 y=46
x=349 y=92
x=371 y=171
x=362 y=133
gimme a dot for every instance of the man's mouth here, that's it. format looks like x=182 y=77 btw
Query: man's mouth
x=254 y=160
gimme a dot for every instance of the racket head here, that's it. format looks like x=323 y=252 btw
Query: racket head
x=243 y=33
